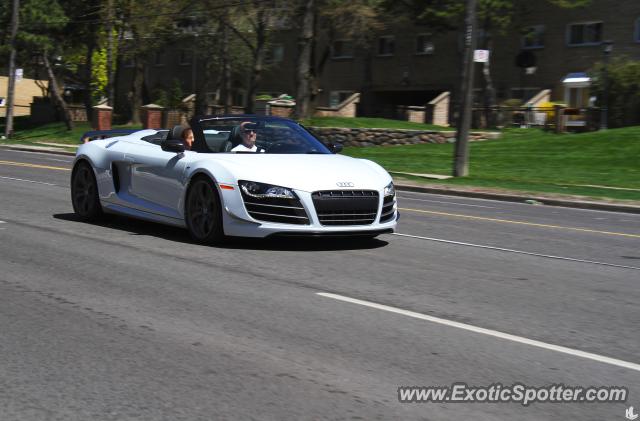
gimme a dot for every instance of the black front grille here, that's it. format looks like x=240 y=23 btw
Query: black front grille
x=387 y=209
x=286 y=211
x=346 y=207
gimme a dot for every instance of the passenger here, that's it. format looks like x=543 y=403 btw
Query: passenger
x=248 y=138
x=187 y=138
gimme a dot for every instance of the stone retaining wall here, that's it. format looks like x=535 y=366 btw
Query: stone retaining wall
x=386 y=137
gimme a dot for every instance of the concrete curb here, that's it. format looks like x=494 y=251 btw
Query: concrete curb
x=579 y=204
x=40 y=150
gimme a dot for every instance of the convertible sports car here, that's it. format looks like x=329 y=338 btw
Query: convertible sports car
x=292 y=185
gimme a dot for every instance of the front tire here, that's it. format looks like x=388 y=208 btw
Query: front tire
x=84 y=193
x=203 y=214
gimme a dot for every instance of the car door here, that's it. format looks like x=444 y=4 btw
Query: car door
x=157 y=179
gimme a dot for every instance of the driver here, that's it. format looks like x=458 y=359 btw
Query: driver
x=248 y=138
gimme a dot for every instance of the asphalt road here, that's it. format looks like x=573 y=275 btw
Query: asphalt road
x=128 y=320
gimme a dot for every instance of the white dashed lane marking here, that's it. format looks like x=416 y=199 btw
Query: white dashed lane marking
x=529 y=253
x=488 y=332
x=27 y=181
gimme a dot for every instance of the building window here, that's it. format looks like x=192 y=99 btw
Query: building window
x=239 y=97
x=533 y=37
x=274 y=54
x=336 y=97
x=423 y=44
x=387 y=45
x=342 y=49
x=186 y=57
x=158 y=59
x=589 y=33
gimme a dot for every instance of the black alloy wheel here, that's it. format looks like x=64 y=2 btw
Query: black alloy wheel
x=84 y=193
x=203 y=213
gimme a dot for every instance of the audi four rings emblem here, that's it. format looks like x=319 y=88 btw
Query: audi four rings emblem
x=345 y=184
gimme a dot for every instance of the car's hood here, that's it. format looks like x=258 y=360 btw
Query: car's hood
x=306 y=172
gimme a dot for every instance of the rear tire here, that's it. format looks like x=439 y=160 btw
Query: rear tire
x=203 y=213
x=84 y=193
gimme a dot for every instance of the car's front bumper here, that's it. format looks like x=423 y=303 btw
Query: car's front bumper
x=238 y=222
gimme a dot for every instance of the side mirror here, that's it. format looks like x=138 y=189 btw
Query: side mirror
x=172 y=145
x=335 y=147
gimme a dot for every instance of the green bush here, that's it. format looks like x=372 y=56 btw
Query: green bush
x=171 y=97
x=623 y=76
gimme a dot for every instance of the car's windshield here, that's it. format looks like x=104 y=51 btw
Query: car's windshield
x=255 y=134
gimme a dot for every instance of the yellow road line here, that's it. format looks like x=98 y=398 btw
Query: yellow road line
x=533 y=224
x=24 y=164
x=456 y=215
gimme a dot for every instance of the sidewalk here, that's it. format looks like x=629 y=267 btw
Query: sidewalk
x=463 y=191
x=44 y=149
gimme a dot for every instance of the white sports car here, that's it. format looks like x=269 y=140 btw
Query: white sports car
x=292 y=185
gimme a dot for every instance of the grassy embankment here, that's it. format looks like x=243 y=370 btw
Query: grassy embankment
x=366 y=122
x=57 y=132
x=596 y=164
x=27 y=134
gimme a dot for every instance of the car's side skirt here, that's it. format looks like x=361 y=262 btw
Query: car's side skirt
x=147 y=216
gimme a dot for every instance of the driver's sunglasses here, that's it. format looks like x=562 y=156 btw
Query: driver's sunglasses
x=249 y=130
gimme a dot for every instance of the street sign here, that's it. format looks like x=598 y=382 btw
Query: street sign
x=19 y=73
x=481 y=56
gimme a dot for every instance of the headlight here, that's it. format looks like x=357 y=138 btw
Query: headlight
x=390 y=190
x=266 y=191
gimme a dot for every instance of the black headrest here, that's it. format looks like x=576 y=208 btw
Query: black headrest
x=176 y=132
x=226 y=146
x=236 y=136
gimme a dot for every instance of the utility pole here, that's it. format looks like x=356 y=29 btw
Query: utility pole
x=8 y=129
x=304 y=59
x=461 y=157
x=109 y=29
x=604 y=109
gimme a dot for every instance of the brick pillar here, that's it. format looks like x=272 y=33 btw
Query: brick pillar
x=416 y=114
x=280 y=110
x=102 y=117
x=151 y=116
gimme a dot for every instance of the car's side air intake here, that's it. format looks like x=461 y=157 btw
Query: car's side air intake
x=387 y=209
x=287 y=211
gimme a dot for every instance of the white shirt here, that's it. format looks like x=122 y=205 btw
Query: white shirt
x=242 y=148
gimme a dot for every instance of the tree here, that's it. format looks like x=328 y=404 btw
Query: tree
x=147 y=26
x=208 y=30
x=40 y=38
x=252 y=23
x=15 y=17
x=303 y=61
x=356 y=20
x=81 y=40
x=623 y=85
x=495 y=17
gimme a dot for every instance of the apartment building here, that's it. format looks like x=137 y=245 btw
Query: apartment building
x=407 y=65
x=410 y=65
